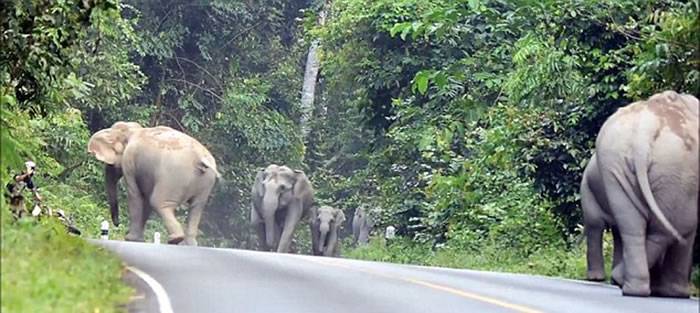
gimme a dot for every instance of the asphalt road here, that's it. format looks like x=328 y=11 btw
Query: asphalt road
x=198 y=279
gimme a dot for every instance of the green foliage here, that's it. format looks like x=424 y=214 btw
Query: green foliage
x=46 y=270
x=484 y=112
x=550 y=261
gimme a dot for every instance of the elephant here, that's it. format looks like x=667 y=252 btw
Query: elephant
x=647 y=157
x=280 y=199
x=362 y=224
x=162 y=168
x=596 y=218
x=325 y=225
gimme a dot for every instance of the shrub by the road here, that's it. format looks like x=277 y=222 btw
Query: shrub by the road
x=46 y=270
x=490 y=256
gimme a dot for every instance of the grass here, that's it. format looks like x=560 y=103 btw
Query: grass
x=46 y=270
x=551 y=262
x=555 y=262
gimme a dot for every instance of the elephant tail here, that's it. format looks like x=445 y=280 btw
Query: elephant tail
x=207 y=164
x=641 y=167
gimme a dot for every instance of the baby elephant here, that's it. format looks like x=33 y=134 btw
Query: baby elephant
x=324 y=231
x=362 y=225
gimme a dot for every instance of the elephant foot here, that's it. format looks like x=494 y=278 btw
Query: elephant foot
x=671 y=291
x=615 y=282
x=636 y=290
x=132 y=237
x=617 y=277
x=190 y=241
x=176 y=240
x=595 y=276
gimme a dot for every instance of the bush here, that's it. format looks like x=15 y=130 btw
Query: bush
x=46 y=270
x=487 y=255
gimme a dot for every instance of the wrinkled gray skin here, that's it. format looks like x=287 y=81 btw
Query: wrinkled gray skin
x=281 y=197
x=326 y=223
x=647 y=154
x=162 y=168
x=362 y=225
x=597 y=218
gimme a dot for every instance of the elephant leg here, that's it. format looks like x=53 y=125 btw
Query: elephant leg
x=656 y=246
x=633 y=272
x=594 y=253
x=193 y=218
x=673 y=274
x=617 y=247
x=617 y=266
x=314 y=239
x=137 y=218
x=278 y=234
x=146 y=214
x=166 y=210
x=594 y=226
x=364 y=236
x=331 y=246
x=290 y=222
x=260 y=231
x=259 y=226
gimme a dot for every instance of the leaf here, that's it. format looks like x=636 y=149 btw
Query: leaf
x=474 y=5
x=399 y=27
x=440 y=79
x=420 y=82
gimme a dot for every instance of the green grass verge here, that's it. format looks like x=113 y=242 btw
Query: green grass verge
x=46 y=270
x=555 y=262
x=549 y=262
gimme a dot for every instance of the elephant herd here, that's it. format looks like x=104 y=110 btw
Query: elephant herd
x=641 y=182
x=281 y=198
x=164 y=168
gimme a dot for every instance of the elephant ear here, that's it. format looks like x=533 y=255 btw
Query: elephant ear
x=106 y=146
x=297 y=177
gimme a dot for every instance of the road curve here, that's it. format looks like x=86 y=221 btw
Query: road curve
x=198 y=279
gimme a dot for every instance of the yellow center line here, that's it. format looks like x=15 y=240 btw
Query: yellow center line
x=454 y=291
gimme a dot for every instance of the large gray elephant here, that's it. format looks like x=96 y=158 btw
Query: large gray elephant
x=280 y=198
x=362 y=224
x=647 y=156
x=597 y=218
x=162 y=168
x=325 y=225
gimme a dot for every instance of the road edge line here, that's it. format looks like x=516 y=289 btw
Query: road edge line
x=161 y=296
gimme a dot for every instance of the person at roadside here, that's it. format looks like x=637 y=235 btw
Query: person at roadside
x=16 y=187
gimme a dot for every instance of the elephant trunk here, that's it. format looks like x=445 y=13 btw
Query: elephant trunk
x=324 y=228
x=112 y=176
x=270 y=203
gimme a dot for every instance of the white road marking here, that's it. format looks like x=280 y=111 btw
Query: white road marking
x=162 y=297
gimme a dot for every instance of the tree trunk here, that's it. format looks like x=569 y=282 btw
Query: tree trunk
x=308 y=91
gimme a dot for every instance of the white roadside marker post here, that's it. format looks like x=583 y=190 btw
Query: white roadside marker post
x=104 y=230
x=156 y=238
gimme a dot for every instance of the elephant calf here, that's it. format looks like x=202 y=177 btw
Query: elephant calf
x=362 y=225
x=325 y=225
x=280 y=198
x=647 y=158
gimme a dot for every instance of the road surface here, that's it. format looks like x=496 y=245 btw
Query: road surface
x=197 y=279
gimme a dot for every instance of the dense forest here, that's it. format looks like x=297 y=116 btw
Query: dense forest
x=466 y=123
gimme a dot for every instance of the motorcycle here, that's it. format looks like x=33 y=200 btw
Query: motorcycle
x=60 y=215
